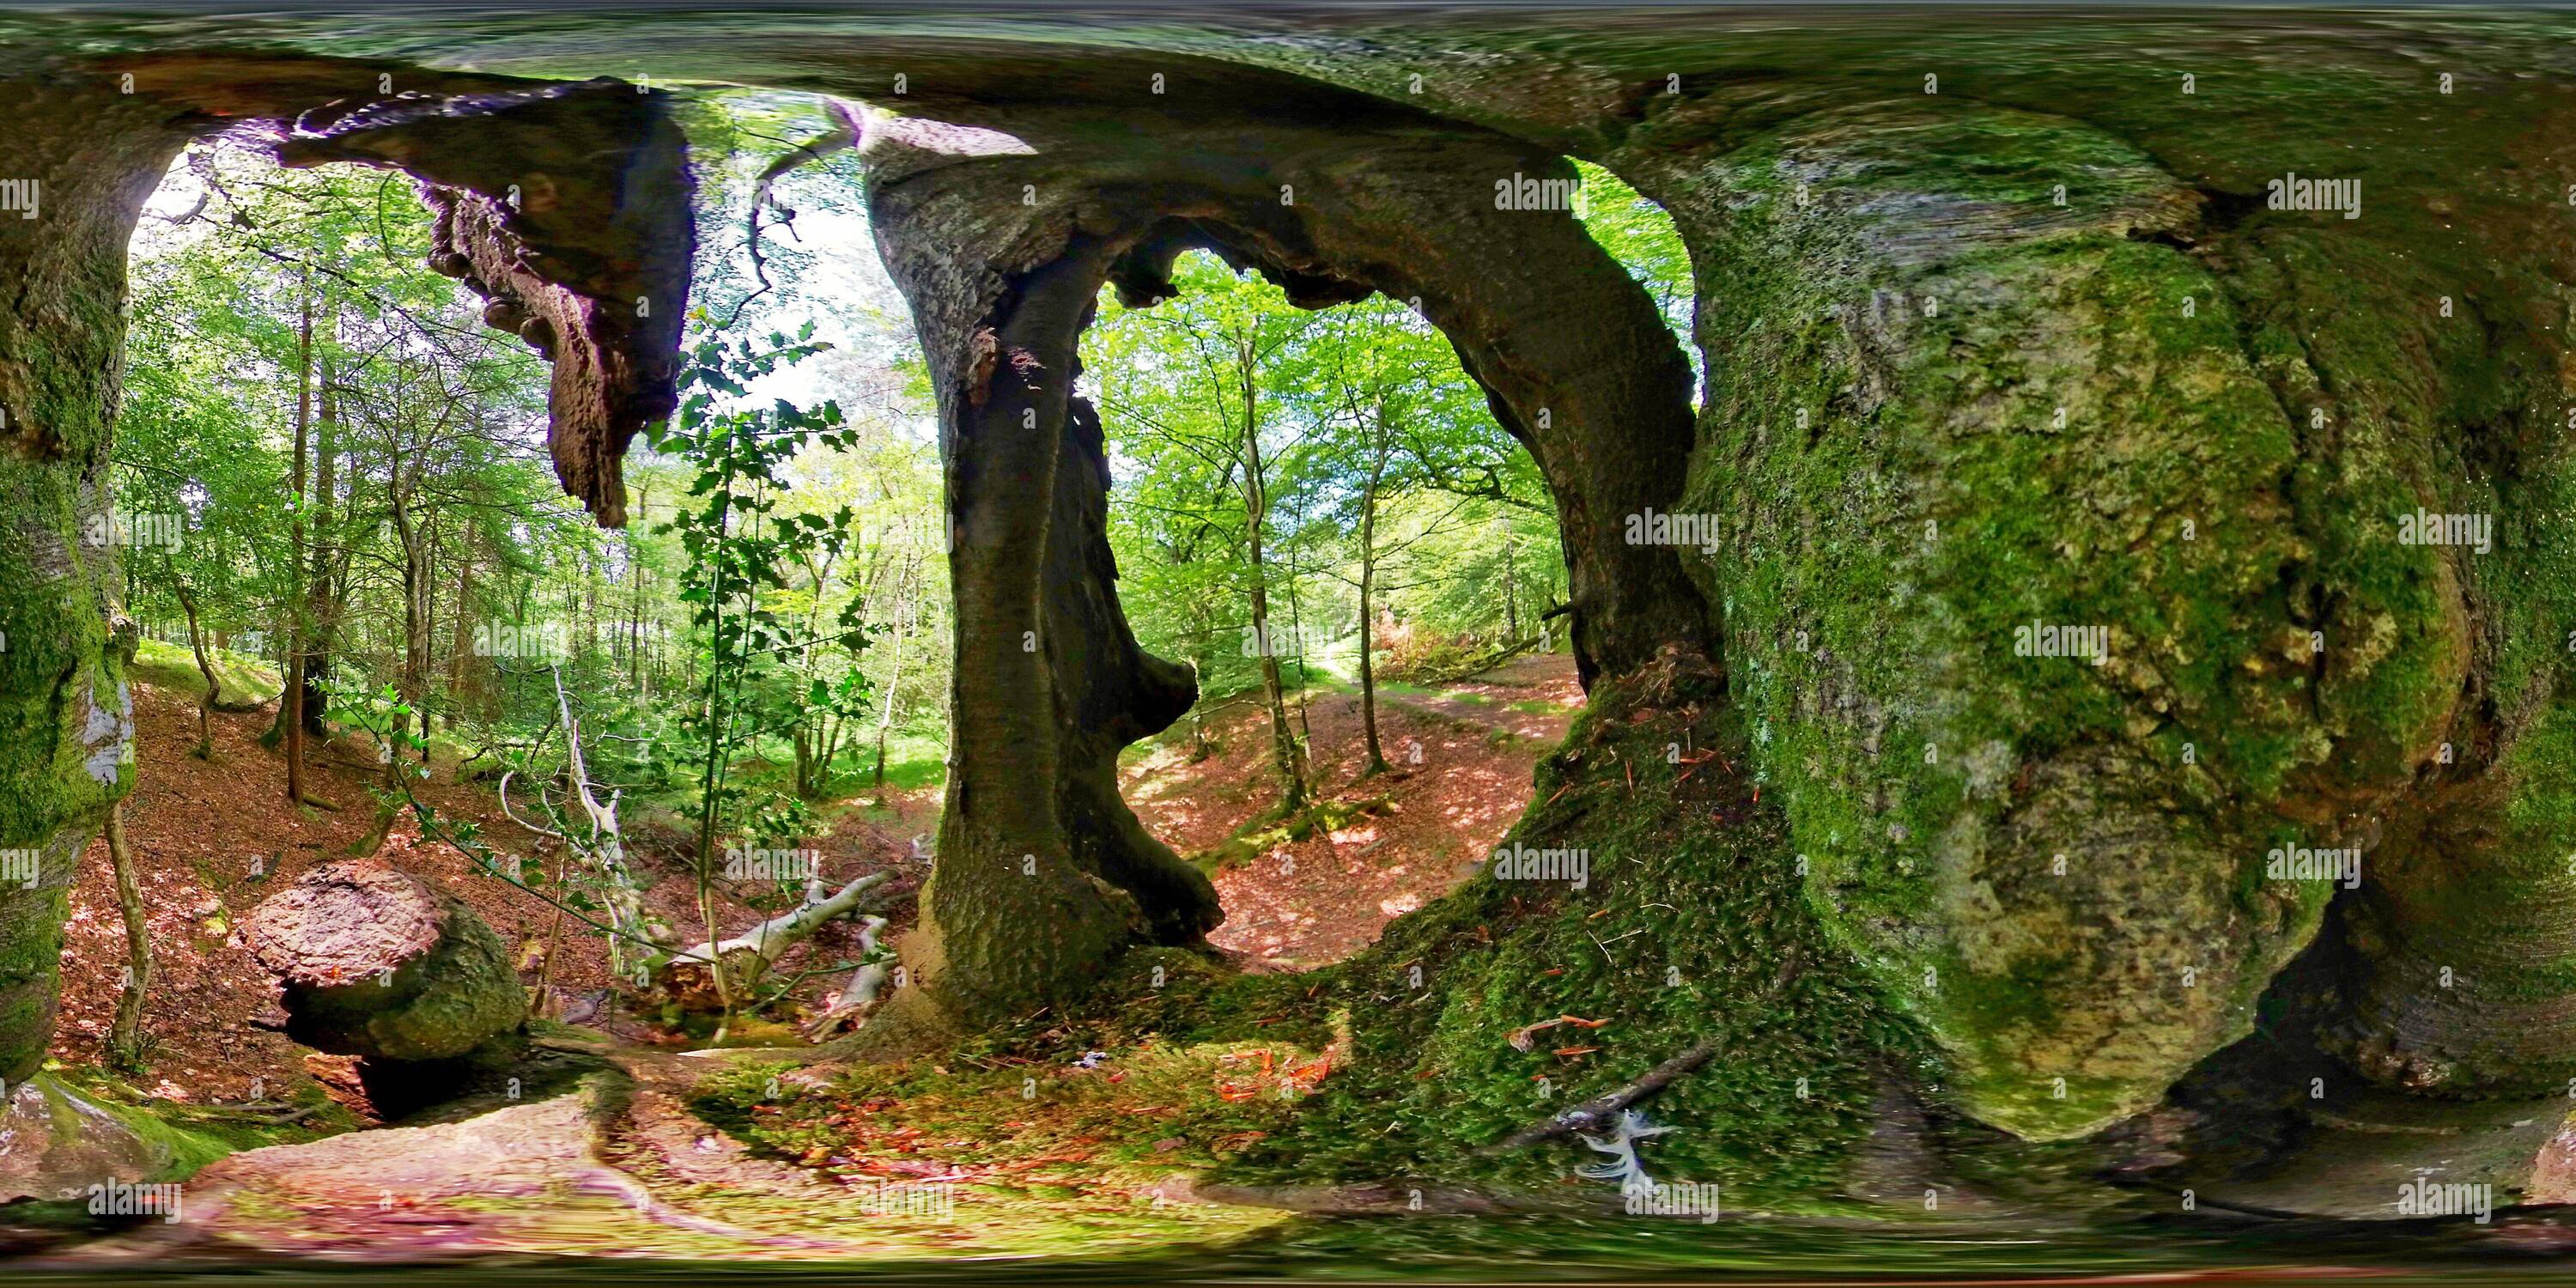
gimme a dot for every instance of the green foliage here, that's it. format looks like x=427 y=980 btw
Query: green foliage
x=741 y=540
x=1362 y=408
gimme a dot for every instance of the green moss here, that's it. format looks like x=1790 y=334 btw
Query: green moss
x=1268 y=831
x=1933 y=435
x=1687 y=930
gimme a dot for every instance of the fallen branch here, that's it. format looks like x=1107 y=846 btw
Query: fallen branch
x=1593 y=1117
x=1479 y=667
x=865 y=983
x=771 y=939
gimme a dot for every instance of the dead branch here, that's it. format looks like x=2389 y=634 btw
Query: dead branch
x=771 y=939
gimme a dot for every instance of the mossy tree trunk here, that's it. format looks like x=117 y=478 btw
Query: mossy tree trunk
x=1043 y=873
x=66 y=724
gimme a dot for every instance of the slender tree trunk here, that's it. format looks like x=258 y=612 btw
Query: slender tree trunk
x=813 y=733
x=416 y=575
x=461 y=646
x=1368 y=607
x=1286 y=754
x=635 y=601
x=428 y=631
x=291 y=707
x=322 y=616
x=205 y=667
x=894 y=675
x=1297 y=632
x=125 y=1037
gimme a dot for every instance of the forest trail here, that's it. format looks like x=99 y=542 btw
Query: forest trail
x=1462 y=757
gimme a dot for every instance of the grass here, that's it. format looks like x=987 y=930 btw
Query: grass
x=173 y=667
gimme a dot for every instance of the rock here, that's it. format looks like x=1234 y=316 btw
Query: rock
x=54 y=1144
x=378 y=963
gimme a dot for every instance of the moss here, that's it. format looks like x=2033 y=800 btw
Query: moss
x=1038 y=1158
x=1687 y=930
x=1268 y=831
x=1932 y=435
x=174 y=668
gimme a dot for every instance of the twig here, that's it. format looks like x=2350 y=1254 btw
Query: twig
x=1594 y=1115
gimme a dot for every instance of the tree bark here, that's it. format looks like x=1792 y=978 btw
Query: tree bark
x=894 y=670
x=1043 y=873
x=1368 y=606
x=321 y=587
x=291 y=708
x=125 y=1035
x=1287 y=755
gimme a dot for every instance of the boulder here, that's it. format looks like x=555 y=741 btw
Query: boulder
x=379 y=963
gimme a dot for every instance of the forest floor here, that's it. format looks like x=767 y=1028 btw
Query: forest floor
x=623 y=1143
x=213 y=838
x=1461 y=756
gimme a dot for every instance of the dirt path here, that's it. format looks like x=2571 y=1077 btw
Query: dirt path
x=1462 y=757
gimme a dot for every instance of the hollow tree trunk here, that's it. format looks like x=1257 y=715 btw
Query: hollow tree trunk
x=999 y=247
x=1043 y=872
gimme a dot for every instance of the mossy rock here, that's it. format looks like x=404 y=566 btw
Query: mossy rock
x=382 y=964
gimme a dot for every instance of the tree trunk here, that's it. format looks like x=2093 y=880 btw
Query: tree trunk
x=1287 y=757
x=291 y=708
x=416 y=580
x=460 y=648
x=125 y=1036
x=327 y=551
x=1368 y=605
x=894 y=673
x=1043 y=872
